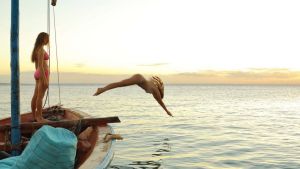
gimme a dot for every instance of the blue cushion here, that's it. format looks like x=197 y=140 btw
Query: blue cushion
x=8 y=162
x=49 y=147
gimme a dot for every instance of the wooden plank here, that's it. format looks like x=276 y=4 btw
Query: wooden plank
x=83 y=123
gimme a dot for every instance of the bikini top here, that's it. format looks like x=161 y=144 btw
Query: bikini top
x=46 y=56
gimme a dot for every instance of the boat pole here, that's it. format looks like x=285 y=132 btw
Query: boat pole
x=15 y=83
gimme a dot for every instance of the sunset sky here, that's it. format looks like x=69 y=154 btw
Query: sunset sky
x=186 y=41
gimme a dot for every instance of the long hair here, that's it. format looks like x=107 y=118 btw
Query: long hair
x=159 y=84
x=41 y=40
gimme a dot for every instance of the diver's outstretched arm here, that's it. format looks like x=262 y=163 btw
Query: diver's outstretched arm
x=157 y=97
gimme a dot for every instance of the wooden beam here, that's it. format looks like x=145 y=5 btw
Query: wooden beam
x=68 y=124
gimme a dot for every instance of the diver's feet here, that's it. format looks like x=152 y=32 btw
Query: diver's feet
x=109 y=136
x=99 y=91
x=33 y=116
x=41 y=120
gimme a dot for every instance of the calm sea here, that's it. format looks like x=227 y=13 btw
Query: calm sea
x=215 y=126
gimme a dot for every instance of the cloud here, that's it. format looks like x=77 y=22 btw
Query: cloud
x=264 y=73
x=249 y=76
x=154 y=64
x=79 y=65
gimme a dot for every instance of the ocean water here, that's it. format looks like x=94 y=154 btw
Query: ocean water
x=214 y=126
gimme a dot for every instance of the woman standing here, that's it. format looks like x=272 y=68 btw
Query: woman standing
x=40 y=57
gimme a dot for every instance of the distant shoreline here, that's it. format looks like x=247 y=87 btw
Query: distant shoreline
x=204 y=77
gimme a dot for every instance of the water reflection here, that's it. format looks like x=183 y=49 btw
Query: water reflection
x=120 y=167
x=147 y=164
x=162 y=147
x=161 y=152
x=140 y=164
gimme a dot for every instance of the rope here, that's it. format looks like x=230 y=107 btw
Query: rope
x=56 y=53
x=57 y=70
x=48 y=48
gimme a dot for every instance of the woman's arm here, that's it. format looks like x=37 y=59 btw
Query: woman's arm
x=41 y=66
x=157 y=97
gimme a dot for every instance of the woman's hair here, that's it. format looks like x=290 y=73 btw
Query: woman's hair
x=41 y=40
x=159 y=84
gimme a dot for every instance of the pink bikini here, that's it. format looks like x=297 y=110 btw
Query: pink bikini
x=37 y=73
x=46 y=56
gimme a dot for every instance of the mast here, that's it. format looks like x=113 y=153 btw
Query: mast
x=15 y=83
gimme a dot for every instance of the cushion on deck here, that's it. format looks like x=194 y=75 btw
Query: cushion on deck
x=49 y=147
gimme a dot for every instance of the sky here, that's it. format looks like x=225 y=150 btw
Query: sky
x=185 y=41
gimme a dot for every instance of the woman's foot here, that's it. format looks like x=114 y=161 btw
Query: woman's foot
x=42 y=120
x=33 y=116
x=99 y=91
x=109 y=136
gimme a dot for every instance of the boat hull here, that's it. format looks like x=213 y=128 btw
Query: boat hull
x=97 y=156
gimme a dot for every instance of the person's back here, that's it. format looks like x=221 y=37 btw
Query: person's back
x=154 y=86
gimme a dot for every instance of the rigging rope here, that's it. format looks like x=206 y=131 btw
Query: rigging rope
x=53 y=3
x=57 y=70
x=48 y=50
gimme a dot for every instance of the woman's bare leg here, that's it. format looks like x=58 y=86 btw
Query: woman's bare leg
x=39 y=102
x=135 y=79
x=33 y=100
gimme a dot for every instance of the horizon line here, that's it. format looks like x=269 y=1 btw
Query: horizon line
x=278 y=76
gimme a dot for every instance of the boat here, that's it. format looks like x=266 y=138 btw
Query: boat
x=98 y=155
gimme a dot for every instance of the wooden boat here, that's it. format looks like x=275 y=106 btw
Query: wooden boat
x=98 y=154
